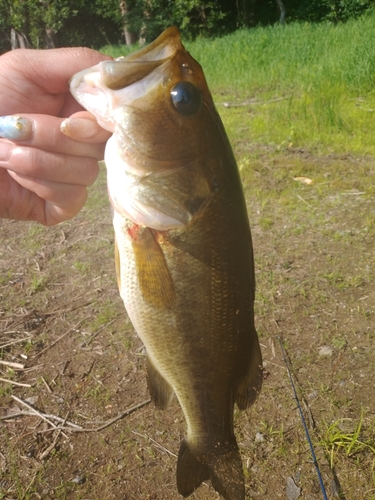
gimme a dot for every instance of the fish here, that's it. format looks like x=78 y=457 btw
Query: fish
x=183 y=248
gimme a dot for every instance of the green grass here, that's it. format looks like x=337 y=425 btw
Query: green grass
x=350 y=442
x=282 y=58
x=301 y=85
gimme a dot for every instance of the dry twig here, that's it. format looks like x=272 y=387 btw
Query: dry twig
x=50 y=416
x=14 y=341
x=14 y=383
x=158 y=445
x=115 y=419
x=48 y=450
x=19 y=366
x=35 y=411
x=92 y=337
x=46 y=384
x=65 y=423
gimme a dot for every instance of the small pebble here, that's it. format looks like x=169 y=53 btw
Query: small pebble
x=79 y=480
x=325 y=351
x=292 y=490
x=259 y=438
x=313 y=395
x=32 y=400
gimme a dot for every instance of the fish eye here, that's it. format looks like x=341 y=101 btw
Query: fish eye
x=186 y=98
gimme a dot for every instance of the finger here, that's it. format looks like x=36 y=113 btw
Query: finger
x=56 y=201
x=69 y=106
x=52 y=69
x=49 y=166
x=82 y=126
x=35 y=80
x=43 y=131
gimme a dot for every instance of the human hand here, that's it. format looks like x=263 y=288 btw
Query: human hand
x=44 y=173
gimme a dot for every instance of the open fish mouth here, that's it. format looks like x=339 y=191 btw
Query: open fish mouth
x=151 y=101
x=128 y=78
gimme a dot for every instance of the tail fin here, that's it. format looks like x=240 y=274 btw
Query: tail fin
x=223 y=467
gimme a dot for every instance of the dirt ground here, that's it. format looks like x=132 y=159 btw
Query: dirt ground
x=64 y=335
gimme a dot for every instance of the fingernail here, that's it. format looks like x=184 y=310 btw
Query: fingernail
x=79 y=128
x=5 y=150
x=15 y=127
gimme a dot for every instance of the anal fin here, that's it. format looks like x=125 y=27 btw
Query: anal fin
x=161 y=391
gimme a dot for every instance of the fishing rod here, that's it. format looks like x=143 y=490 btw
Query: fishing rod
x=315 y=462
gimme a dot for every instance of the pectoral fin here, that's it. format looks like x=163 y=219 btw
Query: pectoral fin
x=160 y=391
x=153 y=274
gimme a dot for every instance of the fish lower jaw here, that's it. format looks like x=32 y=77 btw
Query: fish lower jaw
x=143 y=215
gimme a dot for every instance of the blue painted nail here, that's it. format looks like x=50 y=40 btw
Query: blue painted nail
x=15 y=127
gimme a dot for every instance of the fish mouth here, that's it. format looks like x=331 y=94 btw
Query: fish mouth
x=124 y=71
x=102 y=88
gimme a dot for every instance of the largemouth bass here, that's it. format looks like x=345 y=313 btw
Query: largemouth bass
x=184 y=254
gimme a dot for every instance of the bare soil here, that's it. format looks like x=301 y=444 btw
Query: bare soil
x=64 y=326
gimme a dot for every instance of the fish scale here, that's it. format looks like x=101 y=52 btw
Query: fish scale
x=184 y=254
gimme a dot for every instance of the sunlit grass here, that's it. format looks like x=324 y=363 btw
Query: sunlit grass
x=348 y=441
x=278 y=58
x=300 y=85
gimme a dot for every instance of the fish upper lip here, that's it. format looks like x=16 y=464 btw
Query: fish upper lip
x=164 y=47
x=124 y=71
